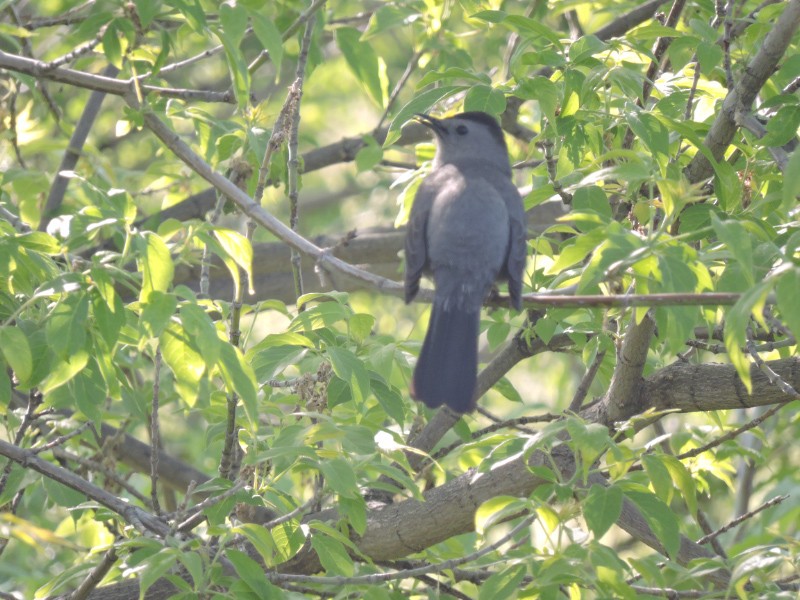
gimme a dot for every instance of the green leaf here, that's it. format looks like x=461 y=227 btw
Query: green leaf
x=146 y=10
x=233 y=18
x=420 y=104
x=601 y=508
x=350 y=369
x=66 y=327
x=727 y=186
x=251 y=574
x=791 y=182
x=261 y=540
x=737 y=241
x=269 y=36
x=200 y=328
x=782 y=127
x=332 y=554
x=60 y=494
x=497 y=510
x=504 y=584
x=5 y=391
x=237 y=247
x=340 y=477
x=184 y=361
x=237 y=65
x=156 y=265
x=661 y=519
x=659 y=476
x=157 y=312
x=787 y=291
x=107 y=308
x=362 y=60
x=355 y=510
x=64 y=370
x=369 y=156
x=111 y=46
x=88 y=391
x=683 y=480
x=543 y=91
x=17 y=352
x=485 y=98
x=154 y=568
x=585 y=47
x=240 y=378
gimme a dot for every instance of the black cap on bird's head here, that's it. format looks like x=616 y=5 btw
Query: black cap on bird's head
x=471 y=135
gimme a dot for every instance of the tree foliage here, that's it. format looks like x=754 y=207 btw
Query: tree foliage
x=206 y=357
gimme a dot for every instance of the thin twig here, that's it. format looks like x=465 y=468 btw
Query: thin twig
x=205 y=260
x=511 y=423
x=293 y=176
x=413 y=63
x=74 y=149
x=143 y=521
x=62 y=439
x=552 y=164
x=155 y=434
x=96 y=575
x=586 y=382
x=187 y=523
x=737 y=521
x=382 y=577
x=772 y=376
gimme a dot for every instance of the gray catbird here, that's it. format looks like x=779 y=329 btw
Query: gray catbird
x=467 y=229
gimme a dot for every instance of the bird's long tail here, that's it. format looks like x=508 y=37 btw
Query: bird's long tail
x=447 y=367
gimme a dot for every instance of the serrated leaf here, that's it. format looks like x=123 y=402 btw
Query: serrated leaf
x=661 y=519
x=237 y=247
x=787 y=291
x=200 y=328
x=486 y=99
x=340 y=477
x=601 y=508
x=64 y=370
x=659 y=476
x=497 y=510
x=362 y=60
x=504 y=584
x=737 y=319
x=251 y=574
x=355 y=510
x=157 y=312
x=683 y=480
x=155 y=264
x=727 y=186
x=66 y=327
x=332 y=555
x=737 y=241
x=17 y=352
x=270 y=38
x=239 y=378
x=791 y=182
x=184 y=361
x=350 y=369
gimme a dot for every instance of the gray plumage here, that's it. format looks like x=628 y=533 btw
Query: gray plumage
x=467 y=230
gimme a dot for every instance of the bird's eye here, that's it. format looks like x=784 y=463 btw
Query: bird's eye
x=461 y=129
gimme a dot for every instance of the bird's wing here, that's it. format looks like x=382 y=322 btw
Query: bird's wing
x=416 y=238
x=517 y=244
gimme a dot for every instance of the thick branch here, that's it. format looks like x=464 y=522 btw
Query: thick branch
x=753 y=77
x=687 y=387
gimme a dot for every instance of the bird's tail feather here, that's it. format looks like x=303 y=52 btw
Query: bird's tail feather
x=447 y=367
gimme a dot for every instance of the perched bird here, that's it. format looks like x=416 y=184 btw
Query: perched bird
x=467 y=230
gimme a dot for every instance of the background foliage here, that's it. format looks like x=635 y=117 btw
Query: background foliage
x=199 y=251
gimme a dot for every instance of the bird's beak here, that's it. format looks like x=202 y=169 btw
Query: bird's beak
x=432 y=123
